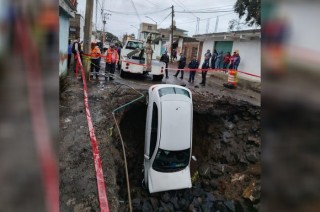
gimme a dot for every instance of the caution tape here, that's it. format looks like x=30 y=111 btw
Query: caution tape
x=197 y=69
x=104 y=206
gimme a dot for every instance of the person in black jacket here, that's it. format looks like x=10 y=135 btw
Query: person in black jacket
x=194 y=64
x=181 y=64
x=205 y=66
x=165 y=58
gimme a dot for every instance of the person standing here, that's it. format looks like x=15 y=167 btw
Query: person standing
x=181 y=65
x=95 y=55
x=165 y=58
x=236 y=60
x=219 y=60
x=213 y=59
x=119 y=53
x=69 y=53
x=226 y=60
x=76 y=48
x=194 y=64
x=207 y=54
x=205 y=67
x=112 y=59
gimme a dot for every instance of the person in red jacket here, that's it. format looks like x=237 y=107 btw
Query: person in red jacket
x=112 y=59
x=226 y=60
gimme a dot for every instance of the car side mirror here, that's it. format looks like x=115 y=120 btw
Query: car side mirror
x=194 y=158
x=146 y=157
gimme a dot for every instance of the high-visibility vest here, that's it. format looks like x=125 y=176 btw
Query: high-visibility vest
x=95 y=53
x=232 y=77
x=112 y=54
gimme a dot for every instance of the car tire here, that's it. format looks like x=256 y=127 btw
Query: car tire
x=122 y=73
x=157 y=77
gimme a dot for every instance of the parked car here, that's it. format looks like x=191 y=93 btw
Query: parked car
x=168 y=138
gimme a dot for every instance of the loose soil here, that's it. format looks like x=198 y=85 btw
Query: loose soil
x=226 y=143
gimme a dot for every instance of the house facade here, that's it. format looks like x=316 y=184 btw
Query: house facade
x=246 y=42
x=76 y=27
x=67 y=9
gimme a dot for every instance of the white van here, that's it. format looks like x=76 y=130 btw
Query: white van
x=168 y=138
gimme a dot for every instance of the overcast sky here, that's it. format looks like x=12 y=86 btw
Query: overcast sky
x=119 y=24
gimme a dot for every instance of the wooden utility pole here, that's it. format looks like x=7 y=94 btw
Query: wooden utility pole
x=172 y=14
x=87 y=32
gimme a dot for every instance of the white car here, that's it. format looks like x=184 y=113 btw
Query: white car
x=168 y=138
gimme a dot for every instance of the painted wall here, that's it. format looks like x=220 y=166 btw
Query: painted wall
x=250 y=53
x=63 y=43
x=157 y=50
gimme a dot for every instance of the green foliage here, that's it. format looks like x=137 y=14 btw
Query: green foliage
x=250 y=8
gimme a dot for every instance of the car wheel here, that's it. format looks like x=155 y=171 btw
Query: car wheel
x=122 y=73
x=157 y=77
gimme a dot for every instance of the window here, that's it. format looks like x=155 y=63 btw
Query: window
x=173 y=90
x=134 y=45
x=154 y=129
x=171 y=161
x=149 y=27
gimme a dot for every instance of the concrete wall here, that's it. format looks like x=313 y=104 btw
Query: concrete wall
x=250 y=53
x=63 y=43
x=157 y=50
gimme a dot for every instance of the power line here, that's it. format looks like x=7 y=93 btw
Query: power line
x=203 y=19
x=164 y=19
x=136 y=10
x=212 y=11
x=148 y=13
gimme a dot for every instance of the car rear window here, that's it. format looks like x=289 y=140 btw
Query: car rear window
x=134 y=45
x=171 y=161
x=173 y=90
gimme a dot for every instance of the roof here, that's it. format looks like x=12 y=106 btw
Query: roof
x=242 y=34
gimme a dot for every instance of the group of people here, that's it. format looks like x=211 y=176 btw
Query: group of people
x=111 y=57
x=220 y=61
x=213 y=61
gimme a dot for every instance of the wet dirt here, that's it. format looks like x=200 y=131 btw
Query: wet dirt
x=226 y=143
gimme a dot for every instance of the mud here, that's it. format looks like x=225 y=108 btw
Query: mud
x=226 y=143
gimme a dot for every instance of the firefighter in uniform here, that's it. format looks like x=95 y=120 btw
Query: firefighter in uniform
x=95 y=55
x=112 y=59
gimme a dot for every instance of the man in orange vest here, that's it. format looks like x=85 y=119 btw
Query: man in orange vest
x=95 y=55
x=112 y=59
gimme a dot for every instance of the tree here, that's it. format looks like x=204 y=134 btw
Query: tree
x=250 y=8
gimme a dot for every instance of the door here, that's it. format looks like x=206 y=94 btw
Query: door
x=225 y=46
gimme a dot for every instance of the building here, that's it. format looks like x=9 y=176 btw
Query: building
x=76 y=27
x=67 y=9
x=247 y=42
x=146 y=29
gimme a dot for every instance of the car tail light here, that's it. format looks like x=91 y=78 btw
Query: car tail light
x=127 y=64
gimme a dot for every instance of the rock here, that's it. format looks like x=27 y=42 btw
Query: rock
x=252 y=192
x=235 y=118
x=166 y=206
x=219 y=206
x=165 y=197
x=154 y=202
x=209 y=197
x=227 y=137
x=197 y=192
x=213 y=184
x=229 y=125
x=254 y=140
x=252 y=157
x=237 y=177
x=206 y=184
x=183 y=204
x=188 y=195
x=136 y=204
x=174 y=202
x=212 y=129
x=204 y=171
x=146 y=207
x=230 y=205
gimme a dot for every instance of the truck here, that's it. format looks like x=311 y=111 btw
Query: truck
x=132 y=60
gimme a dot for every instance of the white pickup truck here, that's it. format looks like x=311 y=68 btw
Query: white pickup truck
x=133 y=61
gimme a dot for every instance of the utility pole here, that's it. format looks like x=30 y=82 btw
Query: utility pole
x=217 y=22
x=105 y=17
x=172 y=14
x=87 y=32
x=96 y=25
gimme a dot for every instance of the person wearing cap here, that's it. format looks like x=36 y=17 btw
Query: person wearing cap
x=165 y=58
x=95 y=55
x=112 y=59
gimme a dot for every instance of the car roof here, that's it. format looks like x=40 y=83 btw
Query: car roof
x=176 y=123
